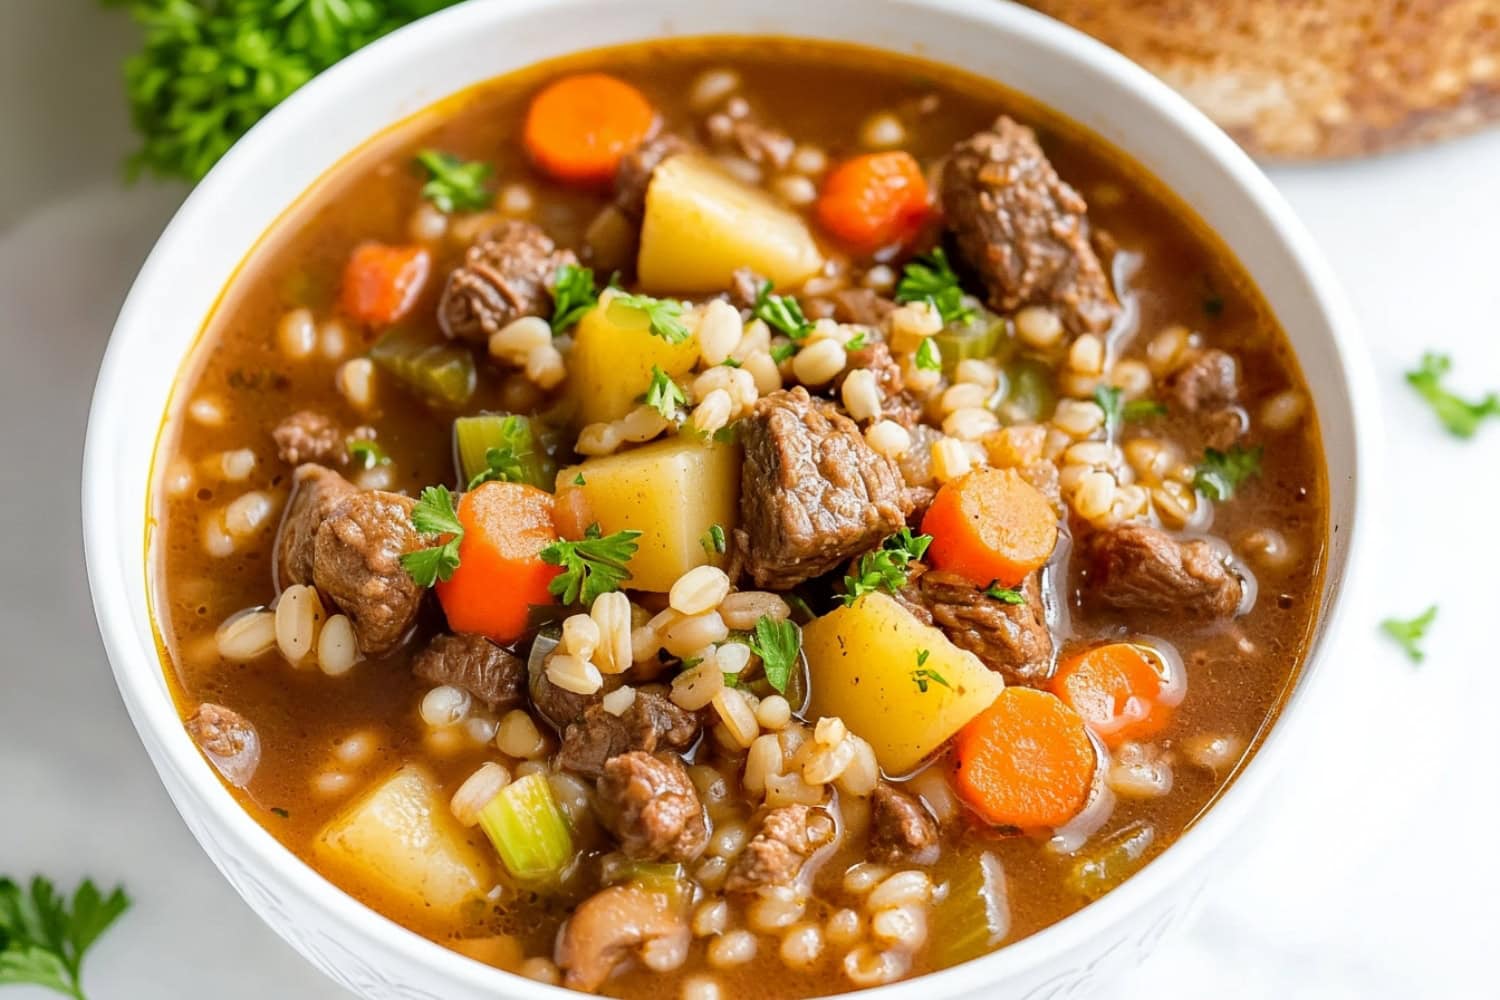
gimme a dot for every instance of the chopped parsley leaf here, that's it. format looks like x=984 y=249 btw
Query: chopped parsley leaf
x=454 y=185
x=713 y=540
x=366 y=454
x=782 y=313
x=930 y=278
x=885 y=568
x=1409 y=633
x=1005 y=595
x=929 y=358
x=434 y=514
x=1461 y=417
x=777 y=644
x=663 y=315
x=664 y=395
x=1221 y=472
x=593 y=565
x=573 y=294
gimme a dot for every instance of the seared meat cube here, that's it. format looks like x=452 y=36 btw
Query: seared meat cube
x=776 y=854
x=310 y=436
x=651 y=723
x=1138 y=567
x=357 y=564
x=607 y=927
x=633 y=175
x=1023 y=230
x=507 y=273
x=814 y=494
x=494 y=675
x=316 y=492
x=1211 y=381
x=862 y=306
x=901 y=832
x=650 y=805
x=228 y=740
x=1013 y=639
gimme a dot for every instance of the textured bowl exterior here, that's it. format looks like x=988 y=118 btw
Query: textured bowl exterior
x=306 y=136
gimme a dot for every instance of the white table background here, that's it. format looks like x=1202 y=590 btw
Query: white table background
x=1372 y=870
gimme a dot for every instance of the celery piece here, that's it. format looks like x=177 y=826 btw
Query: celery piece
x=427 y=364
x=514 y=444
x=983 y=336
x=974 y=917
x=1116 y=858
x=528 y=829
x=1029 y=397
x=667 y=880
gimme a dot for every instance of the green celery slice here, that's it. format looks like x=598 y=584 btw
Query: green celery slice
x=662 y=878
x=529 y=831
x=974 y=917
x=427 y=364
x=1029 y=397
x=1116 y=858
x=982 y=337
x=474 y=436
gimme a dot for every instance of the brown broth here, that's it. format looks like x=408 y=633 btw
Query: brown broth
x=819 y=93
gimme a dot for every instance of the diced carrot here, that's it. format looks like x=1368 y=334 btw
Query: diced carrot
x=874 y=201
x=382 y=282
x=1115 y=687
x=500 y=572
x=579 y=127
x=990 y=526
x=1026 y=761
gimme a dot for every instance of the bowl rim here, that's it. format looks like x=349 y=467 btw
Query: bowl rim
x=115 y=564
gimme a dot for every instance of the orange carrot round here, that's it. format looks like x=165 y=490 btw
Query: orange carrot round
x=1026 y=761
x=382 y=282
x=1115 y=689
x=990 y=526
x=500 y=572
x=579 y=127
x=874 y=201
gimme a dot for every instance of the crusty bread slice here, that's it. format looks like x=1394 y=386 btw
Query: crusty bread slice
x=1307 y=79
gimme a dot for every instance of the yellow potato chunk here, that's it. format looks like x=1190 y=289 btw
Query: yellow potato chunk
x=401 y=841
x=610 y=367
x=862 y=664
x=701 y=224
x=672 y=492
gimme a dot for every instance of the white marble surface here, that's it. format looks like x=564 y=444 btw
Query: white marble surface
x=1370 y=872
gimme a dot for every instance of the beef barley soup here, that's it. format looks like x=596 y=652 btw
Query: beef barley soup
x=735 y=517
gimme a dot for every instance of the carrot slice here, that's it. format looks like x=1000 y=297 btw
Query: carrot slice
x=874 y=201
x=990 y=526
x=579 y=127
x=1026 y=761
x=500 y=571
x=382 y=282
x=1115 y=688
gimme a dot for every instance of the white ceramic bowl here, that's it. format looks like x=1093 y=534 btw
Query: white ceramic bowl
x=309 y=134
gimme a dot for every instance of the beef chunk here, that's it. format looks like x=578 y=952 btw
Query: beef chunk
x=1208 y=388
x=310 y=436
x=901 y=832
x=1138 y=567
x=506 y=274
x=1211 y=381
x=774 y=855
x=863 y=306
x=813 y=493
x=633 y=176
x=356 y=563
x=495 y=676
x=609 y=925
x=316 y=491
x=651 y=723
x=895 y=402
x=760 y=144
x=650 y=805
x=1013 y=639
x=1023 y=230
x=228 y=740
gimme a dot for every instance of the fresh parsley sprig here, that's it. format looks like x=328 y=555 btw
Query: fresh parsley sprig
x=777 y=644
x=501 y=465
x=885 y=568
x=1461 y=417
x=664 y=395
x=1410 y=632
x=453 y=184
x=573 y=294
x=930 y=278
x=782 y=313
x=592 y=565
x=929 y=357
x=208 y=71
x=1221 y=473
x=663 y=315
x=435 y=513
x=44 y=936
